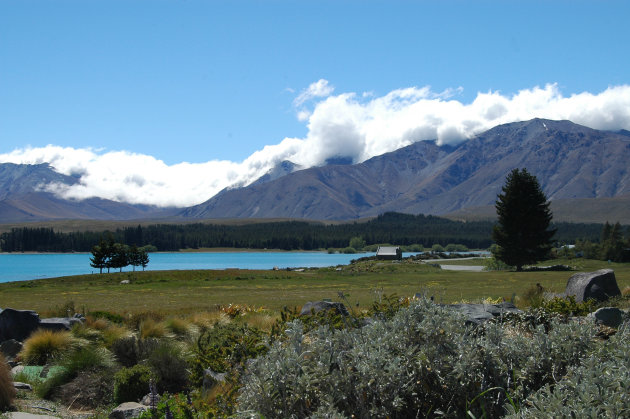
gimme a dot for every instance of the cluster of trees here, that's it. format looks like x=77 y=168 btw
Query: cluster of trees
x=395 y=228
x=612 y=245
x=108 y=254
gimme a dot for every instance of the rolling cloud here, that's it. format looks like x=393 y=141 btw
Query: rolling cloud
x=350 y=125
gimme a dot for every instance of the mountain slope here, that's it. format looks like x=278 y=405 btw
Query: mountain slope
x=22 y=198
x=570 y=161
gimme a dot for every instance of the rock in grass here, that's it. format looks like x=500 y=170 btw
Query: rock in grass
x=10 y=348
x=22 y=386
x=57 y=324
x=313 y=307
x=608 y=316
x=479 y=313
x=17 y=324
x=128 y=410
x=599 y=285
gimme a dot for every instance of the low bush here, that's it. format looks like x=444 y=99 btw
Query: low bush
x=568 y=306
x=168 y=361
x=7 y=391
x=130 y=350
x=596 y=388
x=44 y=345
x=423 y=361
x=131 y=384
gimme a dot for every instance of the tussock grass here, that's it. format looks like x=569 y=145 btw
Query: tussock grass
x=113 y=333
x=45 y=345
x=7 y=391
x=150 y=328
x=179 y=326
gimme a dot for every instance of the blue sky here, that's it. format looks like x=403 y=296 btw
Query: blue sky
x=212 y=83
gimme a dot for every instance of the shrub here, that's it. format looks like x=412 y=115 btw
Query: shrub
x=348 y=250
x=130 y=350
x=112 y=317
x=44 y=345
x=568 y=306
x=170 y=366
x=534 y=296
x=224 y=347
x=422 y=359
x=131 y=384
x=7 y=391
x=598 y=387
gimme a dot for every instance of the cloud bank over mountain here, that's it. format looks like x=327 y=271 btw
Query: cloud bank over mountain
x=349 y=125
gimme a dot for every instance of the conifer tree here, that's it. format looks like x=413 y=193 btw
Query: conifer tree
x=522 y=235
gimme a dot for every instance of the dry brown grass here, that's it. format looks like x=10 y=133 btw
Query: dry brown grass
x=44 y=345
x=7 y=391
x=150 y=328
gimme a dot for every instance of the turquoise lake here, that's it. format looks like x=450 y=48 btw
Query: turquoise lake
x=22 y=267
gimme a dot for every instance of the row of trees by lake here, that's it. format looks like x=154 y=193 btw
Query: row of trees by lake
x=394 y=228
x=110 y=255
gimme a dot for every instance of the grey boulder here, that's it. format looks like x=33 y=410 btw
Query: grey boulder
x=17 y=324
x=10 y=348
x=608 y=316
x=599 y=285
x=479 y=313
x=57 y=324
x=128 y=410
x=313 y=307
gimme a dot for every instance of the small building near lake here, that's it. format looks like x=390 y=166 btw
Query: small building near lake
x=388 y=253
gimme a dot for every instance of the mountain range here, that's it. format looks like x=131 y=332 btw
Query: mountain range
x=570 y=161
x=583 y=171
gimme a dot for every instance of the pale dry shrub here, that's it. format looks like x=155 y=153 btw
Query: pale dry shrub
x=207 y=319
x=179 y=326
x=113 y=333
x=7 y=391
x=261 y=320
x=98 y=323
x=626 y=292
x=44 y=345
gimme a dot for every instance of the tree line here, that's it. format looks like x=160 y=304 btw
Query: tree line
x=394 y=228
x=108 y=254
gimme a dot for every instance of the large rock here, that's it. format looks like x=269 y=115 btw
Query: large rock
x=128 y=410
x=59 y=323
x=599 y=285
x=608 y=316
x=17 y=324
x=24 y=415
x=316 y=306
x=10 y=348
x=479 y=313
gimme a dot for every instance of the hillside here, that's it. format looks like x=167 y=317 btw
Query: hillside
x=570 y=161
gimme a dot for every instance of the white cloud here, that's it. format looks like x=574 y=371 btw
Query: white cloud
x=351 y=125
x=321 y=88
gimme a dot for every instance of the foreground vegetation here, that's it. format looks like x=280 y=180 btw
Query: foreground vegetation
x=218 y=343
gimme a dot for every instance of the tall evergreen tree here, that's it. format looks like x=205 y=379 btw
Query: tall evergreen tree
x=522 y=234
x=99 y=256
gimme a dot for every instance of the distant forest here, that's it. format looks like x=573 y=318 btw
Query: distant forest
x=392 y=228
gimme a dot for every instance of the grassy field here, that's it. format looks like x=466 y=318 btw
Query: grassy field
x=184 y=292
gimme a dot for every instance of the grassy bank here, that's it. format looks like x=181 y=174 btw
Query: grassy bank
x=180 y=292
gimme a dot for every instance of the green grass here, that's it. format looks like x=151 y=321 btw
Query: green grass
x=184 y=292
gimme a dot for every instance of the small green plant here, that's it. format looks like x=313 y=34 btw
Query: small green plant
x=131 y=384
x=568 y=306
